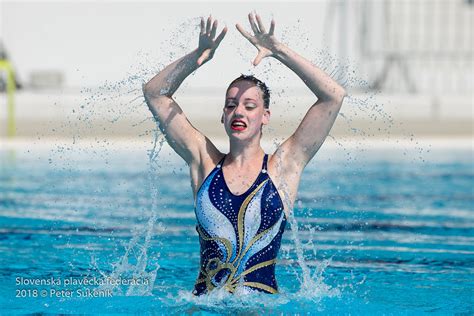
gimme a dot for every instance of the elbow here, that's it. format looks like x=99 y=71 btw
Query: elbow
x=333 y=94
x=147 y=91
x=340 y=93
x=153 y=93
x=343 y=93
x=336 y=97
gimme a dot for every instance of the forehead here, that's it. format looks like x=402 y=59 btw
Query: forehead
x=245 y=89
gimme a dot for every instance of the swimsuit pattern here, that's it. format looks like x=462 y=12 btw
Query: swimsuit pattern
x=240 y=235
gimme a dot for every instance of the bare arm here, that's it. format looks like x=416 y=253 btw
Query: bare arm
x=300 y=147
x=319 y=119
x=188 y=142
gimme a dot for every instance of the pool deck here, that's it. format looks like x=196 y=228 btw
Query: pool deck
x=145 y=144
x=50 y=115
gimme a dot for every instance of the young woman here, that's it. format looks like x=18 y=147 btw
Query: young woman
x=243 y=198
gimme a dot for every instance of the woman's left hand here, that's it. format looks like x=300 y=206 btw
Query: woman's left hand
x=266 y=43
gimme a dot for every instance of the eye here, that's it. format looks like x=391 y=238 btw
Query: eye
x=250 y=105
x=230 y=104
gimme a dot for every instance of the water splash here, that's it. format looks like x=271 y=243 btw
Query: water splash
x=136 y=262
x=312 y=285
x=248 y=302
x=122 y=99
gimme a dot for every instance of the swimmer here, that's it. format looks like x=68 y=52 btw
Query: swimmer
x=244 y=197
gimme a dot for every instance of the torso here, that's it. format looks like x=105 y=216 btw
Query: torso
x=240 y=230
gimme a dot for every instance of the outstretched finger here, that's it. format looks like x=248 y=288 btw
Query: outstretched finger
x=253 y=25
x=272 y=27
x=244 y=32
x=208 y=25
x=259 y=58
x=203 y=26
x=214 y=29
x=221 y=36
x=260 y=24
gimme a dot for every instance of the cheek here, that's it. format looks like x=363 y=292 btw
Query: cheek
x=257 y=119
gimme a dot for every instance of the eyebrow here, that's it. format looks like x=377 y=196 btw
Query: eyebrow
x=246 y=99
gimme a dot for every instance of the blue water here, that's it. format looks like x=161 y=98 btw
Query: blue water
x=381 y=232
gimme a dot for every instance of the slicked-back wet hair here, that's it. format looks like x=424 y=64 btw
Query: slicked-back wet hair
x=260 y=84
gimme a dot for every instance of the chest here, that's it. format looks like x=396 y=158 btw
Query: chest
x=240 y=180
x=260 y=201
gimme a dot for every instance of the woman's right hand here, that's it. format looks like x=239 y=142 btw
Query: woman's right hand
x=207 y=41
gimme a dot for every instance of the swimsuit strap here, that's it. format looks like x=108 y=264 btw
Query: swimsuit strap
x=220 y=163
x=264 y=165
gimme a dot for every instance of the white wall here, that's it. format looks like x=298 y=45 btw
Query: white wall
x=94 y=42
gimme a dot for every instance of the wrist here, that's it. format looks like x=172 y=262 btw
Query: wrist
x=280 y=51
x=194 y=56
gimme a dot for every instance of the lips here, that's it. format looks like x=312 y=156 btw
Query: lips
x=238 y=125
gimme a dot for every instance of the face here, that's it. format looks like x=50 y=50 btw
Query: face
x=244 y=112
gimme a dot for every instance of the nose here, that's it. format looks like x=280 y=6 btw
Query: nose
x=239 y=110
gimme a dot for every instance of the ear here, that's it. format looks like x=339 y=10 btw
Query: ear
x=266 y=117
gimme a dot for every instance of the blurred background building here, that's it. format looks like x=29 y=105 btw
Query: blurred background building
x=76 y=61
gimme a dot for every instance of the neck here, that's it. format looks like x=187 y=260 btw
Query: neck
x=244 y=152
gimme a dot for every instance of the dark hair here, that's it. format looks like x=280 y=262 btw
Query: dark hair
x=260 y=84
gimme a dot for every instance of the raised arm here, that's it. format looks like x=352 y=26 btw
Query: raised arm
x=300 y=147
x=188 y=142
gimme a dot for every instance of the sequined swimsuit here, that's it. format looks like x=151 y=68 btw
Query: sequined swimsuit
x=240 y=235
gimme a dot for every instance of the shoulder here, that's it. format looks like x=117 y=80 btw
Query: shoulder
x=210 y=160
x=201 y=169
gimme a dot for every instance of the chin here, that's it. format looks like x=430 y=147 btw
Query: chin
x=241 y=136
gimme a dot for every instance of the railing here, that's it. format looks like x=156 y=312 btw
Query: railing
x=407 y=46
x=6 y=66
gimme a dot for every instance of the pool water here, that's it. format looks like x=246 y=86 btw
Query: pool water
x=380 y=232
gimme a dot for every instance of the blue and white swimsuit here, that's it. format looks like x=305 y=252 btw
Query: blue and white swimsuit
x=240 y=235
